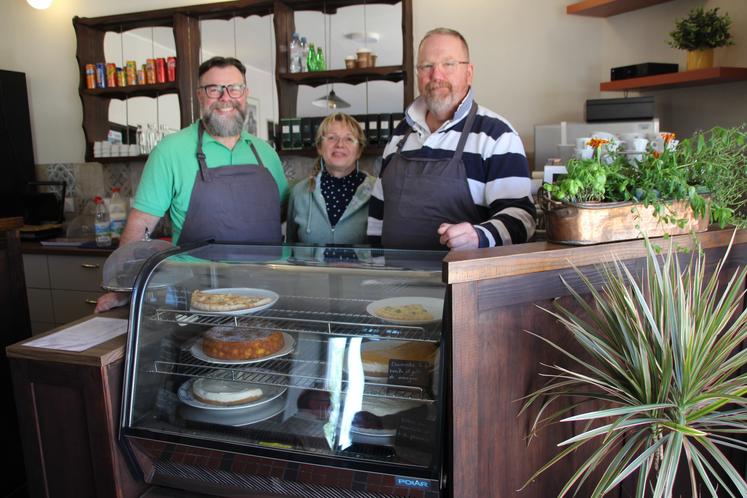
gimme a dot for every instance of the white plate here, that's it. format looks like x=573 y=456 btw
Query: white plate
x=433 y=305
x=198 y=353
x=241 y=291
x=269 y=393
x=375 y=437
x=235 y=418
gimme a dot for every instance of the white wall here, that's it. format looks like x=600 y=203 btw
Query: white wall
x=534 y=64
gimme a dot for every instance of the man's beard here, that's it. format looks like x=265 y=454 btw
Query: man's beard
x=219 y=125
x=436 y=104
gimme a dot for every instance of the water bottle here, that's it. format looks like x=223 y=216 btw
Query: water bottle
x=101 y=224
x=117 y=214
x=321 y=64
x=295 y=54
x=304 y=54
x=311 y=58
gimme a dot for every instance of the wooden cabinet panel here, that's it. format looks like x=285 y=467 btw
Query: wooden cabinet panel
x=70 y=305
x=81 y=273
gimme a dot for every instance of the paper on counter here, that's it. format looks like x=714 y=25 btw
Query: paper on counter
x=82 y=336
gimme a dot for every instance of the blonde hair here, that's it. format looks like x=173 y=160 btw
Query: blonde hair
x=335 y=117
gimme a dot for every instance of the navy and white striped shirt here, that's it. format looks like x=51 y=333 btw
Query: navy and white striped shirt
x=497 y=170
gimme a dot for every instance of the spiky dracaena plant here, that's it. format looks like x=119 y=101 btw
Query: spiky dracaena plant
x=665 y=359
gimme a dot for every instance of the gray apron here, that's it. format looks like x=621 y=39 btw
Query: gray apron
x=239 y=203
x=422 y=193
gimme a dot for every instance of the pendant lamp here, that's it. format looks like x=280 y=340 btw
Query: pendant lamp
x=330 y=101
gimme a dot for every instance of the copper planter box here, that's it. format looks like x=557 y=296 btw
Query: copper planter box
x=596 y=223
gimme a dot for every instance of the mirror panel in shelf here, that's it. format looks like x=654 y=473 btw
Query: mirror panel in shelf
x=139 y=45
x=252 y=41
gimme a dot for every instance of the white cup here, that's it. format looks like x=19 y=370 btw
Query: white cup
x=638 y=144
x=585 y=153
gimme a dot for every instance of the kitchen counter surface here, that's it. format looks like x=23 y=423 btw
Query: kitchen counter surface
x=28 y=247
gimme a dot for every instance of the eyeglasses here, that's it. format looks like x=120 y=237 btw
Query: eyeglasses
x=448 y=67
x=216 y=91
x=348 y=140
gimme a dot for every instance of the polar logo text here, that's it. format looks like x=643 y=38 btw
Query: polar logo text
x=409 y=482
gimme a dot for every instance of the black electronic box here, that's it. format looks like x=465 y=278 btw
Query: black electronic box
x=643 y=69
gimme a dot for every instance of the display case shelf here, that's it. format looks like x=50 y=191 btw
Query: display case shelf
x=349 y=76
x=124 y=92
x=370 y=150
x=698 y=77
x=118 y=159
x=607 y=8
x=285 y=372
x=296 y=321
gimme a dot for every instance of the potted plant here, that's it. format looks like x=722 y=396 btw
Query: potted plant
x=699 y=33
x=651 y=197
x=665 y=363
x=676 y=189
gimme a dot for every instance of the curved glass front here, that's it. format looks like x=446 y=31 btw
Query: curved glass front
x=319 y=352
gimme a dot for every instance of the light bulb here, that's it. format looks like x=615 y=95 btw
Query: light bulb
x=40 y=4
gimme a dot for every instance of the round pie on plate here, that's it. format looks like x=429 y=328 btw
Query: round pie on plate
x=226 y=301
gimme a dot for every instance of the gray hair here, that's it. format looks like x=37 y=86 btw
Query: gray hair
x=446 y=32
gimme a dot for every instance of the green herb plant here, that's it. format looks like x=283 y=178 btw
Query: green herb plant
x=701 y=29
x=717 y=162
x=666 y=365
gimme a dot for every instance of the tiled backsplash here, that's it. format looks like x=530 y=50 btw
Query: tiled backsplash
x=87 y=180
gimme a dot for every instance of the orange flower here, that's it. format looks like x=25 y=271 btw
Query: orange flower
x=668 y=137
x=596 y=142
x=655 y=153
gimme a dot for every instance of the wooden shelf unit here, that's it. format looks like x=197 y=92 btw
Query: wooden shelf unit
x=608 y=8
x=350 y=76
x=698 y=77
x=90 y=33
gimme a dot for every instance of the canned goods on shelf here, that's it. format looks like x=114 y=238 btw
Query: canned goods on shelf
x=111 y=75
x=171 y=69
x=150 y=71
x=100 y=75
x=161 y=70
x=90 y=76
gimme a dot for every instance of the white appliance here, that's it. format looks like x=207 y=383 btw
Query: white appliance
x=548 y=137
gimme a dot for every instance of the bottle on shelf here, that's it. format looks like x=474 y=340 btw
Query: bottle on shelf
x=321 y=64
x=304 y=54
x=101 y=224
x=295 y=54
x=117 y=214
x=311 y=58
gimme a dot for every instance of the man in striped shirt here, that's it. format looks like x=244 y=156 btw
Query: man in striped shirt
x=454 y=173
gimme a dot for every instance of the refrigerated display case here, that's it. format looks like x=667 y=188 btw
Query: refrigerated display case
x=325 y=375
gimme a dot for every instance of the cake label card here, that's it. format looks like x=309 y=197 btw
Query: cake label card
x=409 y=373
x=416 y=434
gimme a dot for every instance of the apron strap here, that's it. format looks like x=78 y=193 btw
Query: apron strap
x=201 y=155
x=204 y=173
x=465 y=131
x=462 y=139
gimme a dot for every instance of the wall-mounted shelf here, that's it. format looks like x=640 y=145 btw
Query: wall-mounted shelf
x=607 y=8
x=698 y=77
x=350 y=76
x=118 y=159
x=123 y=92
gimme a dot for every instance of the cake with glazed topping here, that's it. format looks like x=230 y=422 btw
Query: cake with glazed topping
x=231 y=343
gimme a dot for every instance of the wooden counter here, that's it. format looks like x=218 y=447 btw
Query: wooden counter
x=68 y=405
x=496 y=295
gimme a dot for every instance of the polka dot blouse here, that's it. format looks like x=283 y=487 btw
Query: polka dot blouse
x=338 y=192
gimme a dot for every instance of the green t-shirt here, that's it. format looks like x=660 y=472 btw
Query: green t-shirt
x=169 y=174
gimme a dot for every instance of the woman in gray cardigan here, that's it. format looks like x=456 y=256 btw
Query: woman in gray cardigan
x=331 y=206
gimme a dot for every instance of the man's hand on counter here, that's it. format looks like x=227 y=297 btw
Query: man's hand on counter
x=459 y=236
x=111 y=300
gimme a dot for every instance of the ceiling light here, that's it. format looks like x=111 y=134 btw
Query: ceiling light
x=369 y=37
x=40 y=4
x=330 y=101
